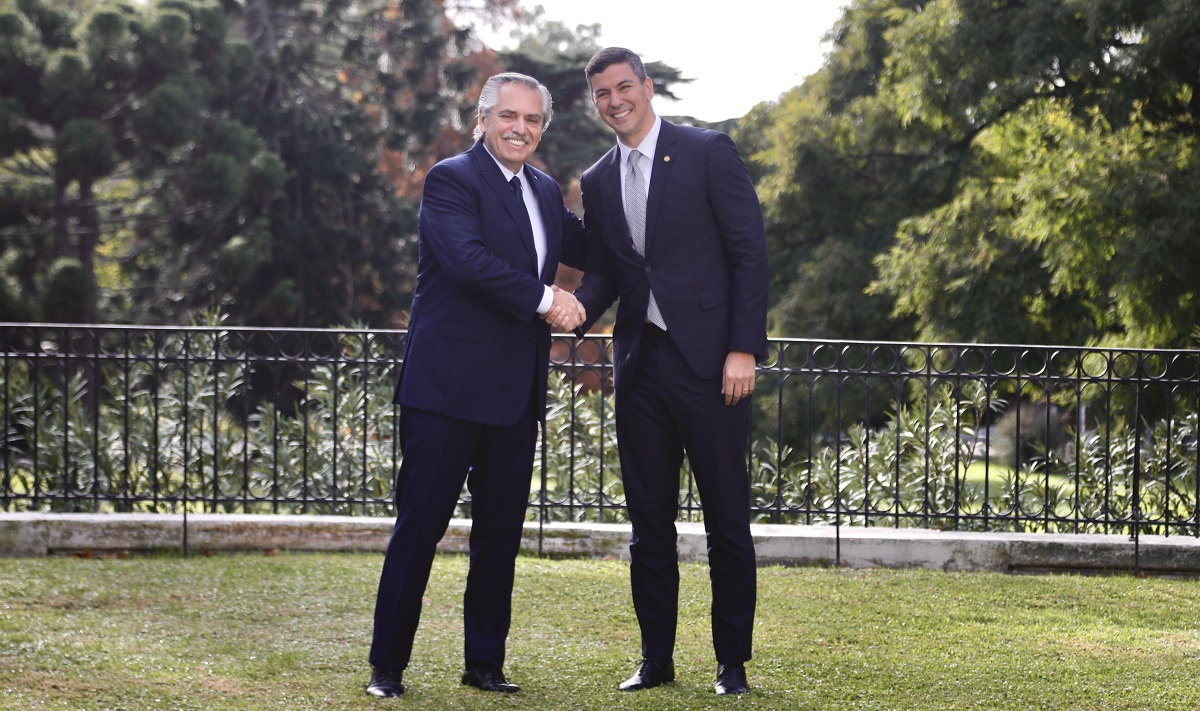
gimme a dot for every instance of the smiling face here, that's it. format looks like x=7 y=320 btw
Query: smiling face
x=623 y=102
x=513 y=127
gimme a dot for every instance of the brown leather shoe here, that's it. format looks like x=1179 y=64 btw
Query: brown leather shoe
x=385 y=684
x=649 y=674
x=731 y=679
x=488 y=679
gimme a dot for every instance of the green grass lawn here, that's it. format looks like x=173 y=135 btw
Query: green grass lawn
x=292 y=632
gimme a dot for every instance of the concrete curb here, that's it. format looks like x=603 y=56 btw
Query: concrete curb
x=41 y=534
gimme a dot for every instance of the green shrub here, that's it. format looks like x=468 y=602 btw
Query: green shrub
x=174 y=422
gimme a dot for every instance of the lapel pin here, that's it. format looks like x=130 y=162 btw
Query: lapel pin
x=666 y=159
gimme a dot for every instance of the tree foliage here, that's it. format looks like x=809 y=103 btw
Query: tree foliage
x=263 y=157
x=836 y=172
x=122 y=150
x=256 y=155
x=990 y=170
x=338 y=88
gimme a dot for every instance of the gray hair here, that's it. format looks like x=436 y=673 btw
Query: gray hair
x=490 y=95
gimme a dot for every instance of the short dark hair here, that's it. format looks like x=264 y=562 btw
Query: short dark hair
x=609 y=56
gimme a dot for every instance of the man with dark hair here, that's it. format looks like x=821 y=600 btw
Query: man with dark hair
x=675 y=232
x=472 y=388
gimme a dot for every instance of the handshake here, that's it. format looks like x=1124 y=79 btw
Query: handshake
x=566 y=313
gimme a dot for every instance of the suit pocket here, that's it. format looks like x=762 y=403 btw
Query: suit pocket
x=711 y=298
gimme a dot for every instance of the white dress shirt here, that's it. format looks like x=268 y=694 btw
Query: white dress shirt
x=539 y=229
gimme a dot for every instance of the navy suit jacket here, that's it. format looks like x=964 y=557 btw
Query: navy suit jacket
x=476 y=348
x=706 y=253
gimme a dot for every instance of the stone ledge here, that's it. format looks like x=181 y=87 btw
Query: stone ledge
x=39 y=534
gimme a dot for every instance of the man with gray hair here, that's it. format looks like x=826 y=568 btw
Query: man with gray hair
x=472 y=385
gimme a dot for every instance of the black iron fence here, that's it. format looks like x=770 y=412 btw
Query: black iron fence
x=963 y=437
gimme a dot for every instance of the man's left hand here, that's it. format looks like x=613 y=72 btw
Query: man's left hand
x=737 y=381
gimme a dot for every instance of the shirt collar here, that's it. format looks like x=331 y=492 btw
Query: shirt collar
x=646 y=147
x=508 y=174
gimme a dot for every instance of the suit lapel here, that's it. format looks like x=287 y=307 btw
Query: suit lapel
x=494 y=179
x=658 y=180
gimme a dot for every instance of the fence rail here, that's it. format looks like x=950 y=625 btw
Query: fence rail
x=948 y=436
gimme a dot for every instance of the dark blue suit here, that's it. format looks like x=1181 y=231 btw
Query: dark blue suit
x=706 y=262
x=472 y=390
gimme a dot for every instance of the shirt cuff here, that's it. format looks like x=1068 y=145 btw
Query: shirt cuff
x=547 y=301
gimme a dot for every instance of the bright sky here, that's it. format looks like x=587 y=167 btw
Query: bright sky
x=739 y=53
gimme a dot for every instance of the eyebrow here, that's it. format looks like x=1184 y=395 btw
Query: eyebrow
x=510 y=112
x=624 y=83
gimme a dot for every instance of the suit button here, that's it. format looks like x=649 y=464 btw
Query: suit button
x=648 y=270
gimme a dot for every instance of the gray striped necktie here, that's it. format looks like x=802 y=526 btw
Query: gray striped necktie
x=635 y=216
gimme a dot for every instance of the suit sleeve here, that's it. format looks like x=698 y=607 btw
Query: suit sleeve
x=598 y=289
x=573 y=240
x=451 y=226
x=740 y=222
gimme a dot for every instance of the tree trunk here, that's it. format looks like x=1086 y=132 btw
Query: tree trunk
x=89 y=237
x=62 y=219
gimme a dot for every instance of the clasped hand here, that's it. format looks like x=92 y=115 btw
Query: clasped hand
x=566 y=313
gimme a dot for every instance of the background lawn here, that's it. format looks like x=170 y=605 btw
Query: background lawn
x=291 y=632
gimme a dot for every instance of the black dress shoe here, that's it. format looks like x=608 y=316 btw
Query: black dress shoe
x=649 y=674
x=385 y=684
x=731 y=679
x=488 y=679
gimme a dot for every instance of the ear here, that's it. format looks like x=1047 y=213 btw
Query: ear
x=649 y=84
